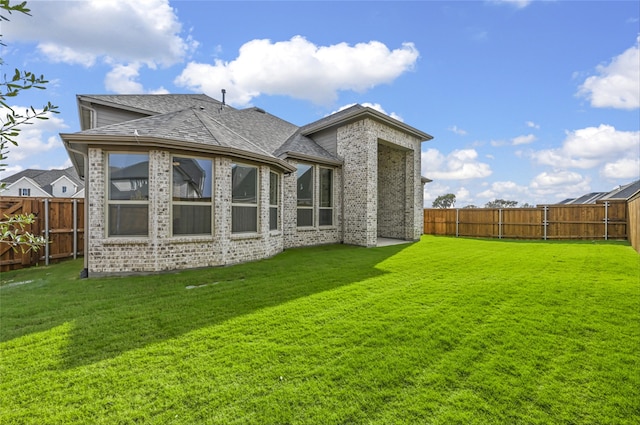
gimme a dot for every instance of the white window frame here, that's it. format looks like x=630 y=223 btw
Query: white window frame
x=255 y=205
x=114 y=202
x=192 y=203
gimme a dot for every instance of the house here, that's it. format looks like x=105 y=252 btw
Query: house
x=179 y=181
x=44 y=184
x=621 y=193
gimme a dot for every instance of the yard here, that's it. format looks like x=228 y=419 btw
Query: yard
x=444 y=331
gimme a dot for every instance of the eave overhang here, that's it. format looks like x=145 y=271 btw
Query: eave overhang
x=312 y=158
x=78 y=144
x=358 y=114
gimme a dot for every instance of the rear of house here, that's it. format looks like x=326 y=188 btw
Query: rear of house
x=184 y=181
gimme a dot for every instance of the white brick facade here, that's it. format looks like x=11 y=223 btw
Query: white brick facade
x=376 y=187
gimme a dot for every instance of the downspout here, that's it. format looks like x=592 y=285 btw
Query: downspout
x=85 y=271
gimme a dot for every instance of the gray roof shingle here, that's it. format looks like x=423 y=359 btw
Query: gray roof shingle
x=158 y=103
x=44 y=178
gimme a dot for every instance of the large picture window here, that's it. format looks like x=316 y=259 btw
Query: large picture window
x=191 y=190
x=244 y=198
x=128 y=194
x=325 y=212
x=305 y=189
x=274 y=201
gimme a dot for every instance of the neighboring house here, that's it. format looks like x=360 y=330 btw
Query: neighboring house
x=621 y=193
x=43 y=183
x=183 y=181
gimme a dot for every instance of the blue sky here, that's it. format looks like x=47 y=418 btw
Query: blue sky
x=532 y=101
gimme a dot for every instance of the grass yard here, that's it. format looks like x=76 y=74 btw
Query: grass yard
x=444 y=331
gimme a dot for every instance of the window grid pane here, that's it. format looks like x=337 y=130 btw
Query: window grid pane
x=274 y=201
x=244 y=198
x=128 y=194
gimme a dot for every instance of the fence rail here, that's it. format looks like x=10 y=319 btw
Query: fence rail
x=608 y=220
x=59 y=220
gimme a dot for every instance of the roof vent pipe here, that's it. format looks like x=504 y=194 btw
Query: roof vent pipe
x=223 y=93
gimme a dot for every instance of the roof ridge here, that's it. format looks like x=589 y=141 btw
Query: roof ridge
x=206 y=125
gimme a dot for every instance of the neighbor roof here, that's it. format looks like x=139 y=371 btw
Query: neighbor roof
x=44 y=178
x=623 y=192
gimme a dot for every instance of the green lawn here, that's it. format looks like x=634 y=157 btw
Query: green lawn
x=444 y=331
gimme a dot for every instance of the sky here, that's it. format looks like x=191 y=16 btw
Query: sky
x=530 y=101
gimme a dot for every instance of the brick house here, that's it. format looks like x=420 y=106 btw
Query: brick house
x=184 y=181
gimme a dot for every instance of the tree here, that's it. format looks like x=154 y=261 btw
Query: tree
x=445 y=201
x=501 y=203
x=13 y=229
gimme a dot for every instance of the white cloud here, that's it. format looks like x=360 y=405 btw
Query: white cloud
x=37 y=137
x=532 y=124
x=559 y=184
x=590 y=147
x=523 y=140
x=123 y=79
x=458 y=165
x=455 y=129
x=375 y=106
x=617 y=84
x=116 y=32
x=300 y=69
x=519 y=4
x=81 y=32
x=625 y=168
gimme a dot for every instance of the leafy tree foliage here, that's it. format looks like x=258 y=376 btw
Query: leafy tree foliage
x=13 y=229
x=501 y=203
x=445 y=201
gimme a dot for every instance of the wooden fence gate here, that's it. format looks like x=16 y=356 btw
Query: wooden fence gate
x=59 y=220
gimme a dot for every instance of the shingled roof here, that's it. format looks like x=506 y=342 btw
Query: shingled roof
x=252 y=131
x=155 y=103
x=44 y=178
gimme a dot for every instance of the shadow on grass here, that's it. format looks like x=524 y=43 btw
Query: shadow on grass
x=113 y=315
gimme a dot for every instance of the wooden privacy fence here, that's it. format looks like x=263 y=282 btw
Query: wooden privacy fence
x=608 y=220
x=59 y=220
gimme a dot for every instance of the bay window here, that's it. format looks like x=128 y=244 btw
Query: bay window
x=244 y=198
x=192 y=182
x=274 y=201
x=128 y=194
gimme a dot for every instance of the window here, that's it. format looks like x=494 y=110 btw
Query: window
x=305 y=195
x=308 y=207
x=64 y=189
x=128 y=194
x=274 y=201
x=244 y=198
x=191 y=186
x=24 y=192
x=325 y=214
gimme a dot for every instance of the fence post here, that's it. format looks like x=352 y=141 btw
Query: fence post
x=46 y=231
x=457 y=220
x=545 y=222
x=499 y=223
x=606 y=220
x=75 y=229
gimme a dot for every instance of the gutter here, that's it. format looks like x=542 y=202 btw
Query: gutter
x=109 y=142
